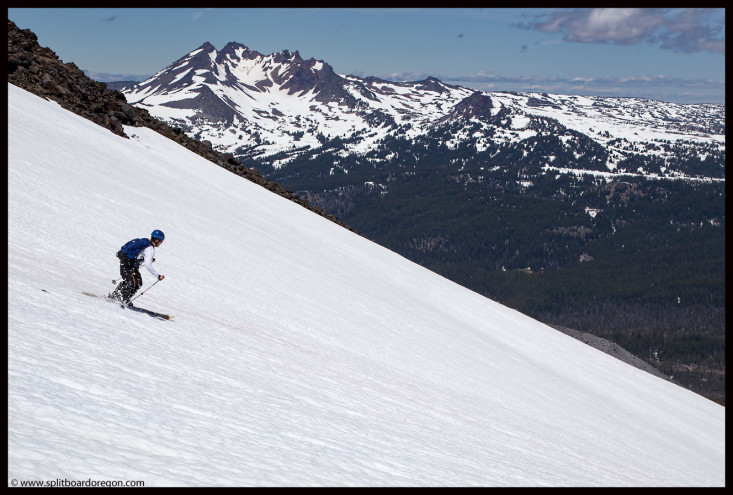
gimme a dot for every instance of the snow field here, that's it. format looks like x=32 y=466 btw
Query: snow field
x=301 y=354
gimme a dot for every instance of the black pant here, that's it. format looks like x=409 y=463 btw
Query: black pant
x=131 y=279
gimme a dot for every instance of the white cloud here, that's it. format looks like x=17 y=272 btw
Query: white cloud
x=683 y=30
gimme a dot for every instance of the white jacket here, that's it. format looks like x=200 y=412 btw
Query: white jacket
x=146 y=258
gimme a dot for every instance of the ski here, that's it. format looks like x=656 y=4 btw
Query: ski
x=160 y=316
x=154 y=314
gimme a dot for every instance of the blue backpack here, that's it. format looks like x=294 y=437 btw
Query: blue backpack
x=133 y=247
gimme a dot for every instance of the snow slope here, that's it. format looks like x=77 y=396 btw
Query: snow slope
x=300 y=353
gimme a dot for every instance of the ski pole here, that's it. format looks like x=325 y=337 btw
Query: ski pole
x=143 y=292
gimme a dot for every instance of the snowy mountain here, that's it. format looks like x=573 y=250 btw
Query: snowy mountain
x=276 y=107
x=300 y=352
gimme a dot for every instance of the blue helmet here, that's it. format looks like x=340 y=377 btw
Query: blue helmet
x=158 y=234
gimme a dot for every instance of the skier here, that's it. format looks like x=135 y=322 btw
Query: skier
x=130 y=256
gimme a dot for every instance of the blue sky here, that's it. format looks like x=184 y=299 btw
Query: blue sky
x=675 y=55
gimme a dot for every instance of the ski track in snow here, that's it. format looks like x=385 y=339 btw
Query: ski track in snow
x=300 y=355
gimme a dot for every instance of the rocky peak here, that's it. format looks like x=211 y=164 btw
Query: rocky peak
x=476 y=105
x=229 y=52
x=287 y=57
x=431 y=84
x=198 y=58
x=180 y=73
